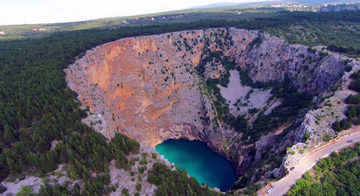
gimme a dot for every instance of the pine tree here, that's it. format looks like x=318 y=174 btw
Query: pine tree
x=13 y=166
x=128 y=166
x=70 y=153
x=42 y=145
x=107 y=154
x=189 y=190
x=33 y=160
x=125 y=148
x=21 y=120
x=123 y=156
x=9 y=135
x=76 y=190
x=62 y=153
x=73 y=175
x=85 y=173
x=118 y=162
x=123 y=164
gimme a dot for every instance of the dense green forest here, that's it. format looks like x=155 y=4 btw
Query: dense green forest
x=338 y=32
x=38 y=108
x=336 y=175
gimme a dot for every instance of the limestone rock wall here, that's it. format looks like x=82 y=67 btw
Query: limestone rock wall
x=147 y=87
x=144 y=87
x=317 y=122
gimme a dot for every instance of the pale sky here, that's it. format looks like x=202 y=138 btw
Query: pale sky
x=51 y=11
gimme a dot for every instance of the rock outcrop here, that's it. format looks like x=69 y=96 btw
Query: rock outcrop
x=339 y=7
x=317 y=122
x=147 y=87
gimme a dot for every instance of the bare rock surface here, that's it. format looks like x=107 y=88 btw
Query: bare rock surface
x=123 y=179
x=148 y=88
x=236 y=94
x=36 y=182
x=318 y=122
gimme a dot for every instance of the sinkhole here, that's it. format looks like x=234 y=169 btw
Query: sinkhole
x=200 y=162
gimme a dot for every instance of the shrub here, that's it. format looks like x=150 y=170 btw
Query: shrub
x=2 y=188
x=253 y=110
x=327 y=138
x=256 y=42
x=348 y=68
x=154 y=156
x=138 y=186
x=125 y=192
x=306 y=135
x=353 y=99
x=355 y=85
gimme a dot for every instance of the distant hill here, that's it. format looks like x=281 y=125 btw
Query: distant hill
x=338 y=8
x=215 y=5
x=317 y=1
x=306 y=2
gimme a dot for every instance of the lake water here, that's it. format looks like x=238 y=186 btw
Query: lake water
x=199 y=162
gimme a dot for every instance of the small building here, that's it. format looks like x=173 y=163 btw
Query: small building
x=2 y=32
x=34 y=29
x=42 y=29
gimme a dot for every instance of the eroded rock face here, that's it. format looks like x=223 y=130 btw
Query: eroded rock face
x=141 y=86
x=147 y=87
x=317 y=122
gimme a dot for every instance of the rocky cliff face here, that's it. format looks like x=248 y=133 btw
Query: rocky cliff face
x=141 y=86
x=317 y=122
x=147 y=87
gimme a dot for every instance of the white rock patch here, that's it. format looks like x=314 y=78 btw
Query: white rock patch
x=236 y=91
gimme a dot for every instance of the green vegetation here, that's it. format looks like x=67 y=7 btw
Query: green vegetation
x=335 y=175
x=341 y=125
x=246 y=80
x=256 y=42
x=138 y=186
x=175 y=182
x=353 y=110
x=125 y=192
x=25 y=191
x=338 y=30
x=253 y=110
x=292 y=103
x=348 y=68
x=240 y=123
x=38 y=109
x=355 y=85
x=306 y=135
x=182 y=16
x=264 y=123
x=333 y=29
x=220 y=103
x=2 y=188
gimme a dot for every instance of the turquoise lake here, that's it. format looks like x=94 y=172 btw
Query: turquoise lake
x=199 y=162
